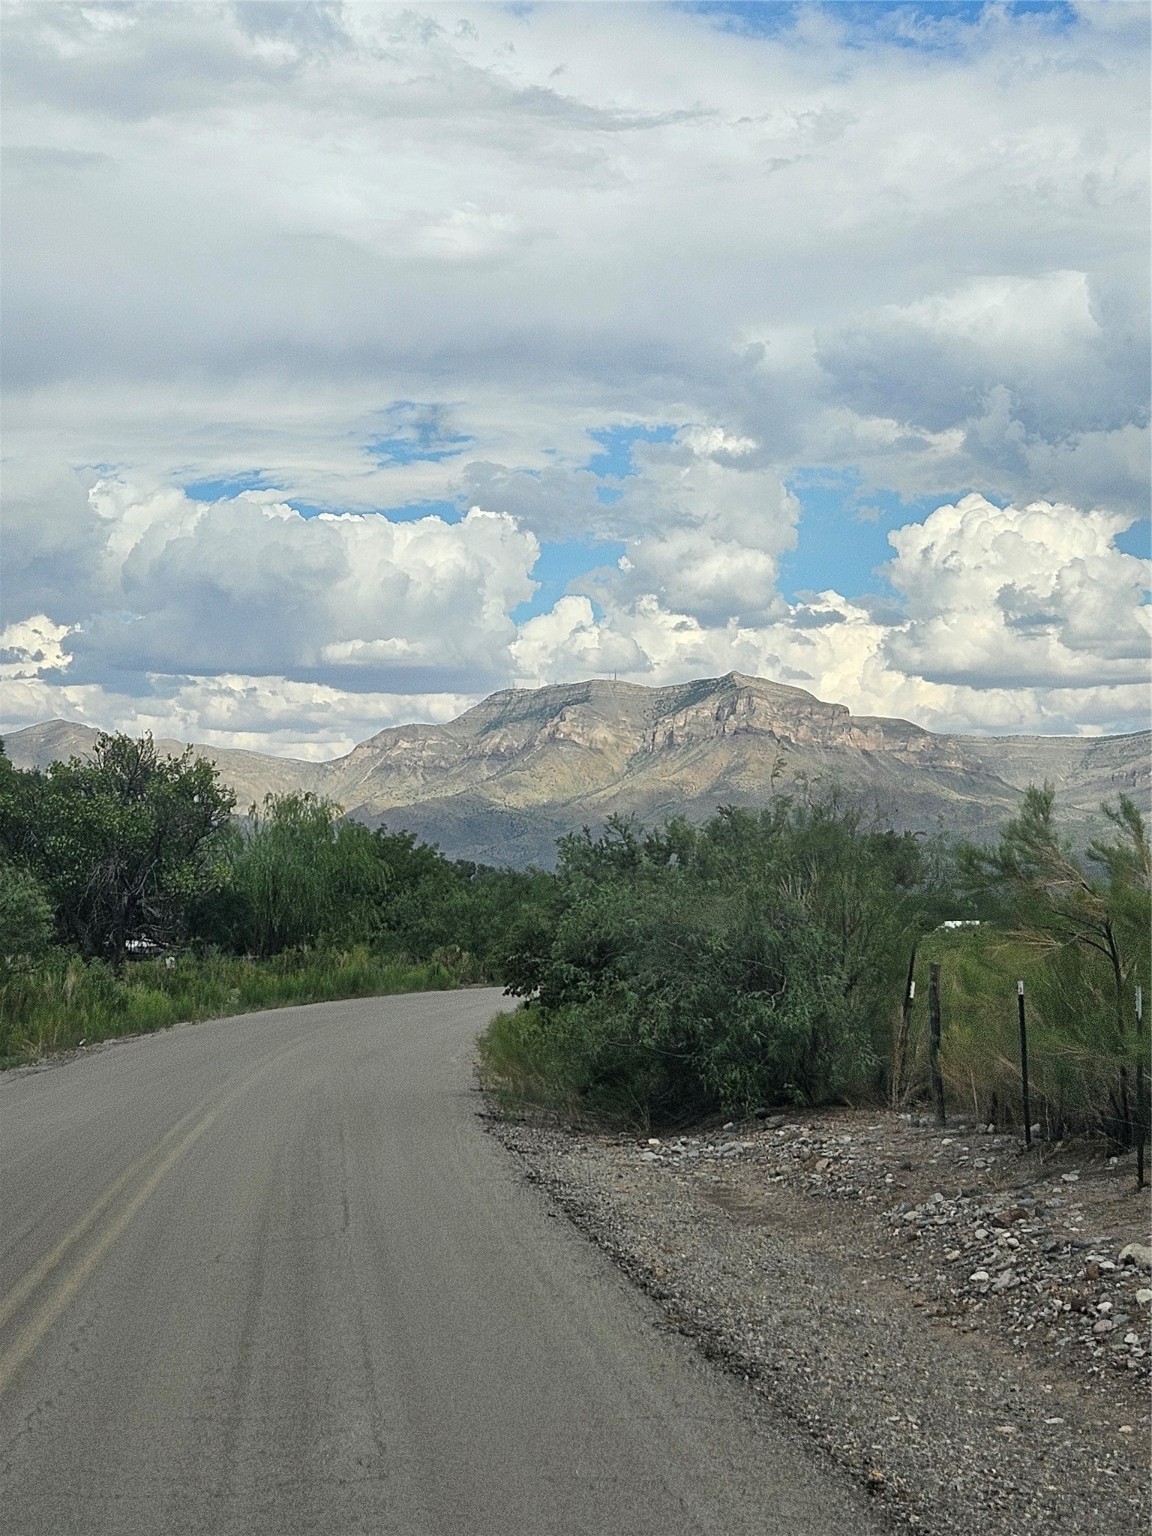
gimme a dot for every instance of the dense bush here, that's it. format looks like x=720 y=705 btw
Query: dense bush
x=122 y=845
x=106 y=862
x=26 y=924
x=752 y=960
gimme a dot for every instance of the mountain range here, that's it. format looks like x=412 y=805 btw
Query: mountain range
x=501 y=782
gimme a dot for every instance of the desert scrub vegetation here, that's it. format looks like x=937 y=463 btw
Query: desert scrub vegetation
x=1076 y=1057
x=685 y=970
x=1077 y=933
x=131 y=898
x=765 y=959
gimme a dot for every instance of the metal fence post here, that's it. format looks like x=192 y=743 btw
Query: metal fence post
x=1141 y=1098
x=903 y=1030
x=934 y=1040
x=1024 y=1064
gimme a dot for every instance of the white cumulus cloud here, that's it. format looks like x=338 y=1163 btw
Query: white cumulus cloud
x=1006 y=619
x=1032 y=596
x=248 y=584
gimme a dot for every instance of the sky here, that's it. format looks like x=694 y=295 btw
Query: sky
x=361 y=360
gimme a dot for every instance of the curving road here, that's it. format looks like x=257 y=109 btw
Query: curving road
x=267 y=1275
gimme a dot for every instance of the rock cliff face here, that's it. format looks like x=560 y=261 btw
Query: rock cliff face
x=502 y=781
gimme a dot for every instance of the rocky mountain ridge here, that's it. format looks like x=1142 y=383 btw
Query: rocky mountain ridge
x=503 y=780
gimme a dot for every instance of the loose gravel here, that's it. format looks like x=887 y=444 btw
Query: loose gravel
x=960 y=1322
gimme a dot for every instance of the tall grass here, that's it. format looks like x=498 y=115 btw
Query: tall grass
x=1076 y=1049
x=523 y=1066
x=56 y=1006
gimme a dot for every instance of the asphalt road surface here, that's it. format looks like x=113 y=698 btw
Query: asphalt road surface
x=268 y=1275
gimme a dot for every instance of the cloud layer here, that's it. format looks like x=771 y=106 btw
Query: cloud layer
x=403 y=273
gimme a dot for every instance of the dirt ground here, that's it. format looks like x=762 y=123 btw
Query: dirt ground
x=960 y=1322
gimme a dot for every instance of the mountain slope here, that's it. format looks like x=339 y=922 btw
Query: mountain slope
x=250 y=775
x=502 y=781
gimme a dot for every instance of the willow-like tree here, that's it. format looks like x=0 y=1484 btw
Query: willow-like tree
x=301 y=877
x=1089 y=918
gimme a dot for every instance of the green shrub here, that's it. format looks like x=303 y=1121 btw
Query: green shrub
x=685 y=971
x=523 y=1064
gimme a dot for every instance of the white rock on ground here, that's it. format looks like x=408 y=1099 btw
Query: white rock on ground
x=843 y=1263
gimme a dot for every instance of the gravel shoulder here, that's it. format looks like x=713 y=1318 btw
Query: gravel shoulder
x=957 y=1321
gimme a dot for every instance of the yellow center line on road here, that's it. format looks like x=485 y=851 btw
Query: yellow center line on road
x=170 y=1149
x=18 y=1295
x=65 y=1290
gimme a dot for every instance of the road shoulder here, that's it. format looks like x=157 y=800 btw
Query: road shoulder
x=834 y=1260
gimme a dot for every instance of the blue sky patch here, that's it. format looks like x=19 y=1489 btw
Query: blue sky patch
x=559 y=565
x=755 y=20
x=416 y=434
x=226 y=486
x=307 y=508
x=1137 y=540
x=842 y=534
x=615 y=456
x=408 y=450
x=934 y=27
x=409 y=512
x=930 y=25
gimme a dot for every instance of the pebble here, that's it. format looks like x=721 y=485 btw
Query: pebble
x=1051 y=1291
x=1061 y=1290
x=981 y=1257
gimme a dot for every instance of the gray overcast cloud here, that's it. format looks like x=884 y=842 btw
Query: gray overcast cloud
x=358 y=360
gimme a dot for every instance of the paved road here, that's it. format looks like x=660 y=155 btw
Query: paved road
x=268 y=1275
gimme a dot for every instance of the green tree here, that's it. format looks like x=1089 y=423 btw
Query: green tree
x=1034 y=882
x=1089 y=919
x=302 y=877
x=26 y=926
x=122 y=843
